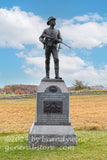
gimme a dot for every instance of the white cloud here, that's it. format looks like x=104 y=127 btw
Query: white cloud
x=39 y=61
x=91 y=17
x=33 y=52
x=71 y=64
x=18 y=28
x=87 y=35
x=86 y=18
x=35 y=66
x=71 y=68
x=20 y=55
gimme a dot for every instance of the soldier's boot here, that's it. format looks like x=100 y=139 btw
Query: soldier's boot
x=57 y=69
x=57 y=74
x=47 y=75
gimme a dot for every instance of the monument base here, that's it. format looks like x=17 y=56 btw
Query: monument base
x=52 y=125
x=51 y=135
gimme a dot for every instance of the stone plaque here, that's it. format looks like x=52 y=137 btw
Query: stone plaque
x=53 y=89
x=53 y=107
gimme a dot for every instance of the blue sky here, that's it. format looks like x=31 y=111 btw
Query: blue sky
x=83 y=25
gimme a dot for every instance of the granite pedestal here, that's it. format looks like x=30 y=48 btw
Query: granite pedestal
x=52 y=125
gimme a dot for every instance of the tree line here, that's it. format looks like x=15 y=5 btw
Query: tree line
x=32 y=89
x=20 y=89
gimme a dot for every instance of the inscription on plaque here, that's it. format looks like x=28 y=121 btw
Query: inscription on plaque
x=53 y=107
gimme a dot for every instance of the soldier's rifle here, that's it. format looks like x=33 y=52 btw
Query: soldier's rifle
x=53 y=38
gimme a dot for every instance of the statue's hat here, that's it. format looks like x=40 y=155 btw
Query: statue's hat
x=50 y=18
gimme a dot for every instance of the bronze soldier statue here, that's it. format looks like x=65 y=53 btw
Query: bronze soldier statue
x=50 y=38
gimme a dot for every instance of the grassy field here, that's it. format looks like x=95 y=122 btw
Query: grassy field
x=87 y=112
x=88 y=118
x=91 y=146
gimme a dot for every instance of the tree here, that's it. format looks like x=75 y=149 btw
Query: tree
x=13 y=88
x=19 y=91
x=7 y=89
x=79 y=85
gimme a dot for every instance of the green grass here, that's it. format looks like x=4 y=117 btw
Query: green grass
x=91 y=146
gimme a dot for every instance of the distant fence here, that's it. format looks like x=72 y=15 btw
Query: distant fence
x=19 y=96
x=88 y=92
